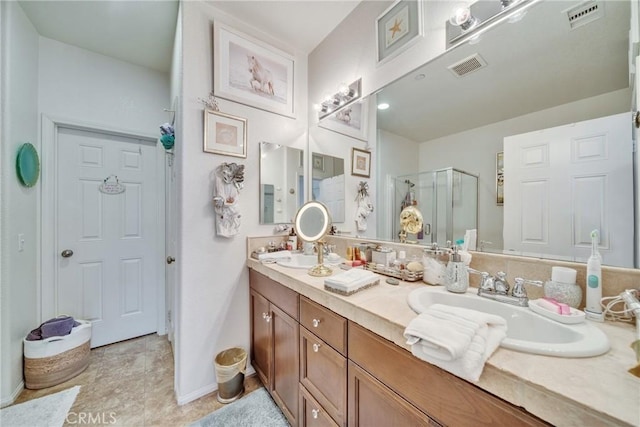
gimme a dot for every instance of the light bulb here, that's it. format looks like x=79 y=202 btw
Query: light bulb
x=463 y=18
x=383 y=106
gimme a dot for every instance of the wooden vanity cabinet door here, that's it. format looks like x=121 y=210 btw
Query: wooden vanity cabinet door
x=312 y=414
x=323 y=372
x=286 y=359
x=261 y=337
x=371 y=403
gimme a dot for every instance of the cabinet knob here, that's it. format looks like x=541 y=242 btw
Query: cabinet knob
x=316 y=323
x=314 y=413
x=316 y=347
x=266 y=317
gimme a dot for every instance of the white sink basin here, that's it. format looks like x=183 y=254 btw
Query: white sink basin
x=299 y=261
x=304 y=261
x=526 y=331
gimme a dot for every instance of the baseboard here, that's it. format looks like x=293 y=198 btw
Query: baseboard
x=12 y=398
x=203 y=391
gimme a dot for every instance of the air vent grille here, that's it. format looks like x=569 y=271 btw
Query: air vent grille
x=468 y=65
x=585 y=13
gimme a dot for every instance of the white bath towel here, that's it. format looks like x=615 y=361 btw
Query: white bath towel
x=351 y=280
x=456 y=339
x=350 y=276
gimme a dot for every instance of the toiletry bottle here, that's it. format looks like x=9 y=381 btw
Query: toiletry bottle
x=292 y=241
x=402 y=259
x=457 y=276
x=593 y=310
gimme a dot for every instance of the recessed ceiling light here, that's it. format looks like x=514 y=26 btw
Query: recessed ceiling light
x=419 y=76
x=383 y=106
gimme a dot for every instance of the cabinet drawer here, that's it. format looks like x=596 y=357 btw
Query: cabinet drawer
x=323 y=371
x=371 y=403
x=329 y=326
x=311 y=413
x=278 y=294
x=432 y=390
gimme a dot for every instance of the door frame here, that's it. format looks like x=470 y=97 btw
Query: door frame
x=48 y=285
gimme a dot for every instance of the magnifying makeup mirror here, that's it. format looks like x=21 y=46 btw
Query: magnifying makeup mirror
x=312 y=223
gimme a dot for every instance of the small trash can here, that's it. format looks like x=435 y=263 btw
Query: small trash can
x=230 y=367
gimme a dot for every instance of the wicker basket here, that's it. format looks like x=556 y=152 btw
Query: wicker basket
x=55 y=360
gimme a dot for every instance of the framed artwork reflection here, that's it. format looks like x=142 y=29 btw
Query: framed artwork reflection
x=350 y=120
x=225 y=134
x=500 y=178
x=360 y=162
x=251 y=72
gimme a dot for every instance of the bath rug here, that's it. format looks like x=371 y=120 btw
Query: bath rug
x=256 y=409
x=47 y=411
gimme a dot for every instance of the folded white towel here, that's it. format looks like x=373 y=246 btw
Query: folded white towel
x=349 y=277
x=456 y=339
x=278 y=255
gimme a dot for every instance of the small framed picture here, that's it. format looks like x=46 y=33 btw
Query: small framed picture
x=252 y=72
x=225 y=134
x=350 y=120
x=318 y=162
x=500 y=178
x=398 y=28
x=360 y=162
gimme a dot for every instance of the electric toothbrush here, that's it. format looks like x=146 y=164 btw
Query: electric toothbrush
x=593 y=310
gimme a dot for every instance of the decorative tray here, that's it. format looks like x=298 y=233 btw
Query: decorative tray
x=406 y=275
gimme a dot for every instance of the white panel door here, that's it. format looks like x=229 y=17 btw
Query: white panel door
x=112 y=276
x=561 y=183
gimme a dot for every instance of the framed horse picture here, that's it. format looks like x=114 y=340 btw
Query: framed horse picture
x=251 y=72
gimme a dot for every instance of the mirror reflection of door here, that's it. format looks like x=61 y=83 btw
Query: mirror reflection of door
x=328 y=184
x=281 y=182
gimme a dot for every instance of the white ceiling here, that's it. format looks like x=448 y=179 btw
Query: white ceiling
x=532 y=65
x=142 y=32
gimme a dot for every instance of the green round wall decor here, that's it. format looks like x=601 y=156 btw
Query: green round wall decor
x=28 y=165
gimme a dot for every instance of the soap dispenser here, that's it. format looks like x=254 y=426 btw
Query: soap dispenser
x=457 y=277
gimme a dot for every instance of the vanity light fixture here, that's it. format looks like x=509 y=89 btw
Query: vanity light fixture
x=470 y=20
x=346 y=94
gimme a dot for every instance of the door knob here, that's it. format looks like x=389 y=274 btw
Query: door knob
x=66 y=253
x=170 y=259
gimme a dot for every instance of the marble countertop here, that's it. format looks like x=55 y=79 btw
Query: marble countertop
x=590 y=391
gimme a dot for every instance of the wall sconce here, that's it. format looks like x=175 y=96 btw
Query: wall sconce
x=470 y=20
x=345 y=95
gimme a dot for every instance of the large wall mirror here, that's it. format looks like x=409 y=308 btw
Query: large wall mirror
x=281 y=182
x=516 y=108
x=328 y=184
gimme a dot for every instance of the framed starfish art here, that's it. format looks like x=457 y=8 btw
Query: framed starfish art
x=398 y=28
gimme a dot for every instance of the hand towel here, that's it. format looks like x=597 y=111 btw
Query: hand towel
x=447 y=341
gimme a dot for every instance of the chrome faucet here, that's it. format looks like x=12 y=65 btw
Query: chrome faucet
x=497 y=288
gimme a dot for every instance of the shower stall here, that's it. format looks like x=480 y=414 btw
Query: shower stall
x=447 y=199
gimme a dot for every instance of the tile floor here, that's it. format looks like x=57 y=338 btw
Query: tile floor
x=131 y=384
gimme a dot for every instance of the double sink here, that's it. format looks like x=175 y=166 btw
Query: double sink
x=527 y=331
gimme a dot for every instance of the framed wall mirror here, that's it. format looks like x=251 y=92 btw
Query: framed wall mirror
x=537 y=76
x=328 y=184
x=281 y=182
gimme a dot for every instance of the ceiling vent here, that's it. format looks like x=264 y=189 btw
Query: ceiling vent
x=468 y=65
x=585 y=13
